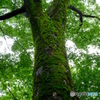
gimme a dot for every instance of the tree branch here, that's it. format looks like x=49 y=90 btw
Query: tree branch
x=13 y=13
x=21 y=46
x=8 y=87
x=78 y=11
x=91 y=16
x=15 y=41
x=5 y=38
x=81 y=15
x=11 y=93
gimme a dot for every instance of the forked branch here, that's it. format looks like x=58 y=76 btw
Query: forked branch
x=81 y=15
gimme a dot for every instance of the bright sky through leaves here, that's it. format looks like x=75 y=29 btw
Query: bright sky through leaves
x=4 y=48
x=98 y=2
x=5 y=45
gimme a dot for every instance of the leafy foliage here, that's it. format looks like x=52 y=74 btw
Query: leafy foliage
x=16 y=69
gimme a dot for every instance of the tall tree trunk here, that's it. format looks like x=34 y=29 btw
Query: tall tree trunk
x=51 y=74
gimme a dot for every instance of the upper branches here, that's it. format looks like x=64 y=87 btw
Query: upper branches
x=52 y=11
x=13 y=13
x=81 y=15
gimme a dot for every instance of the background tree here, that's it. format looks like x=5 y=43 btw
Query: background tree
x=48 y=30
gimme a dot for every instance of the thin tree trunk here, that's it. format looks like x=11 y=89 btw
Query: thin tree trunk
x=51 y=74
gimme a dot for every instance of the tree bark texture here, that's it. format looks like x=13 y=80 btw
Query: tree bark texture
x=51 y=74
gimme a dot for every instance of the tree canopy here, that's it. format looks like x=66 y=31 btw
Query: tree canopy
x=83 y=30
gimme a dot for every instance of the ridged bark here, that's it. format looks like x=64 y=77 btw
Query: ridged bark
x=51 y=74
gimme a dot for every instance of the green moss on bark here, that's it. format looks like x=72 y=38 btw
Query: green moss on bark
x=52 y=77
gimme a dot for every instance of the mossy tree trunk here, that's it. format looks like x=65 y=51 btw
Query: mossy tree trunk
x=51 y=74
